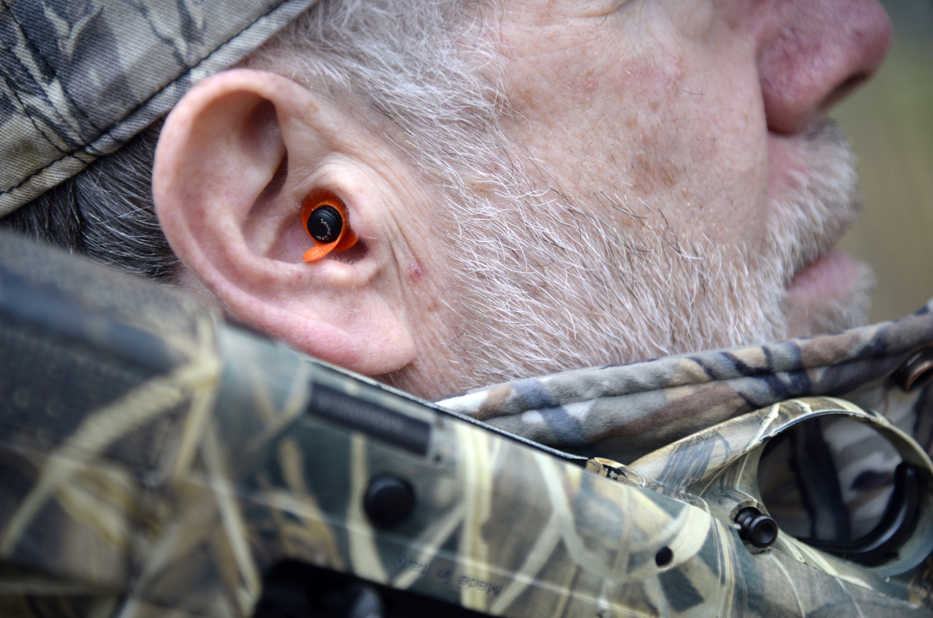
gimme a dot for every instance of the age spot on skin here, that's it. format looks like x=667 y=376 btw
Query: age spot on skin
x=590 y=82
x=649 y=174
x=650 y=170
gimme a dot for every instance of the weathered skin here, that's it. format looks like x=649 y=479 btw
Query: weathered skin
x=156 y=462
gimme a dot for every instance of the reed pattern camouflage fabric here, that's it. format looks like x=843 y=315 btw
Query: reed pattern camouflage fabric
x=157 y=462
x=624 y=412
x=830 y=479
x=81 y=77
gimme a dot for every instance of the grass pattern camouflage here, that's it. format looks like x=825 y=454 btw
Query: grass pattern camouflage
x=82 y=77
x=625 y=412
x=156 y=462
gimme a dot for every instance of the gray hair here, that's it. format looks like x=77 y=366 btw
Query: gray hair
x=416 y=62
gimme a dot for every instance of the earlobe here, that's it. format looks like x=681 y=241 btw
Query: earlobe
x=244 y=161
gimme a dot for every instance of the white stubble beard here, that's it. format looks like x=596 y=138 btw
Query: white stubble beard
x=543 y=286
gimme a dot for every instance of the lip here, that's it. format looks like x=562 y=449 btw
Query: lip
x=821 y=265
x=830 y=276
x=818 y=156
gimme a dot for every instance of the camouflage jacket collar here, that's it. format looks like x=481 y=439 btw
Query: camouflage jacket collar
x=626 y=411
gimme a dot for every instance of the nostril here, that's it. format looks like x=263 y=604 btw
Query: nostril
x=815 y=55
x=844 y=89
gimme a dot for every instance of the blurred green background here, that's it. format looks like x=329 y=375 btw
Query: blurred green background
x=890 y=122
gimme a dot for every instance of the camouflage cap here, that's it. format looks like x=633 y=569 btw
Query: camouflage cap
x=82 y=77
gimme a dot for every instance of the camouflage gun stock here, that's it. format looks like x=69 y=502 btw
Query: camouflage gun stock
x=158 y=462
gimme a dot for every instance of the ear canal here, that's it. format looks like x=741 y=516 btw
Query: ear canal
x=325 y=221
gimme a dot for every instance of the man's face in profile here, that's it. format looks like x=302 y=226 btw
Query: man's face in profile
x=548 y=186
x=683 y=187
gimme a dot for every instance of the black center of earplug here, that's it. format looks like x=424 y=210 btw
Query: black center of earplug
x=324 y=224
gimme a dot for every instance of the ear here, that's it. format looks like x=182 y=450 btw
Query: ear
x=236 y=159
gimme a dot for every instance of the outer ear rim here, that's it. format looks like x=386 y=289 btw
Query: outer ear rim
x=351 y=325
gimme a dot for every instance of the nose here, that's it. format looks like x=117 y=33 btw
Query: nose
x=815 y=53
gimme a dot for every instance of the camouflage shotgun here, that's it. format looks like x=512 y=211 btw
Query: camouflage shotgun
x=158 y=462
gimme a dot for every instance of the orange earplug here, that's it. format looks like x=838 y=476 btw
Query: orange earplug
x=325 y=222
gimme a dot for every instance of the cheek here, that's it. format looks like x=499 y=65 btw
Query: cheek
x=677 y=134
x=680 y=146
x=697 y=149
x=609 y=118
